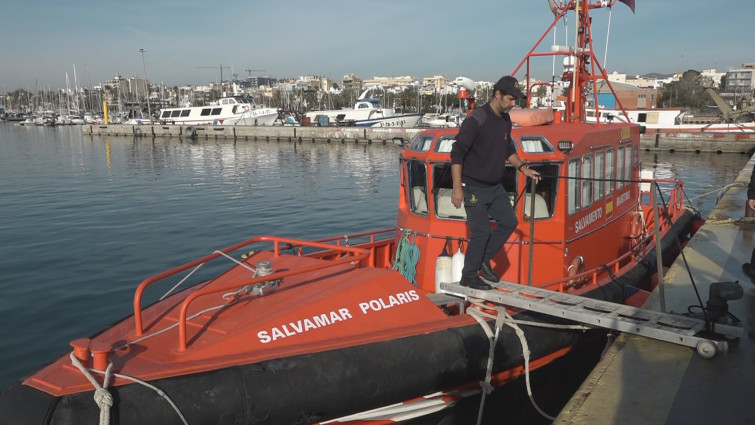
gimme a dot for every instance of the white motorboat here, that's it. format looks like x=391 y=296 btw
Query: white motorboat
x=234 y=110
x=364 y=112
x=447 y=120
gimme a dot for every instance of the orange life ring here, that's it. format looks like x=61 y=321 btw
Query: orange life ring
x=574 y=269
x=576 y=265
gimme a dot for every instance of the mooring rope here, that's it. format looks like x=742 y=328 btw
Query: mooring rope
x=104 y=399
x=720 y=192
x=407 y=257
x=493 y=338
x=503 y=317
x=102 y=396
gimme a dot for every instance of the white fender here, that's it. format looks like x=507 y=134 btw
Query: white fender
x=457 y=264
x=442 y=271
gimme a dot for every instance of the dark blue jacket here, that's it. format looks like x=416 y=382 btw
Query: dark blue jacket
x=482 y=150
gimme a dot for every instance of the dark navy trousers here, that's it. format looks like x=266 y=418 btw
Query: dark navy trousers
x=483 y=204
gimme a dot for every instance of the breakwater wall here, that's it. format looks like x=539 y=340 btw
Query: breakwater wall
x=260 y=133
x=743 y=143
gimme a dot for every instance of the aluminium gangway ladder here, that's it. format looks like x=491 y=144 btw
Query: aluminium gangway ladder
x=667 y=327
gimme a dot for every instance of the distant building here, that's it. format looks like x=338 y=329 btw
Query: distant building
x=256 y=82
x=636 y=81
x=351 y=82
x=631 y=97
x=437 y=82
x=741 y=80
x=314 y=82
x=388 y=83
x=740 y=83
x=713 y=78
x=119 y=84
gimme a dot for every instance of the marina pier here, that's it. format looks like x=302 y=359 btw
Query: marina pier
x=719 y=142
x=731 y=142
x=300 y=134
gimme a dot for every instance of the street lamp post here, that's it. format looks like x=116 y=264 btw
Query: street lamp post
x=146 y=83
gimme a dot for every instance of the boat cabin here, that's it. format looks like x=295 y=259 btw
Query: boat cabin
x=580 y=214
x=365 y=104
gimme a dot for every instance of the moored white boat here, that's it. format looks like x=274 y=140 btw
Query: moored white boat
x=234 y=110
x=365 y=113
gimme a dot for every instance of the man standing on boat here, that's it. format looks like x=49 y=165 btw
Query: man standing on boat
x=749 y=268
x=478 y=160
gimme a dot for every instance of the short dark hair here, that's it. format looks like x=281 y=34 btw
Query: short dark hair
x=503 y=93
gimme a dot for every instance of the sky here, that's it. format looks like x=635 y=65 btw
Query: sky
x=187 y=41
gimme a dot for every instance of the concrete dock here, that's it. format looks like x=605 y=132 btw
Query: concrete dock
x=644 y=381
x=296 y=134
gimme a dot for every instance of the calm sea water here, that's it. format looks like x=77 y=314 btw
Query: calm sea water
x=84 y=219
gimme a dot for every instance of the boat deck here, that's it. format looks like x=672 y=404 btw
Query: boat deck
x=640 y=380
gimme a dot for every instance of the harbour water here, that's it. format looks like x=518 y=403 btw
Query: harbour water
x=84 y=219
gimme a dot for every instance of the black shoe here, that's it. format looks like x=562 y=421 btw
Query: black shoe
x=749 y=271
x=488 y=273
x=474 y=282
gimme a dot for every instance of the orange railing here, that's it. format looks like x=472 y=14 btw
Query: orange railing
x=673 y=204
x=341 y=255
x=379 y=249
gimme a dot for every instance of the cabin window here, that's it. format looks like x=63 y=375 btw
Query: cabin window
x=442 y=189
x=176 y=113
x=216 y=111
x=587 y=181
x=599 y=175
x=545 y=192
x=609 y=172
x=185 y=112
x=535 y=144
x=206 y=112
x=628 y=164
x=422 y=143
x=165 y=114
x=620 y=168
x=445 y=143
x=572 y=186
x=417 y=182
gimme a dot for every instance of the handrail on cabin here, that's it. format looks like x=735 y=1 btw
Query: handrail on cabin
x=594 y=273
x=673 y=205
x=353 y=255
